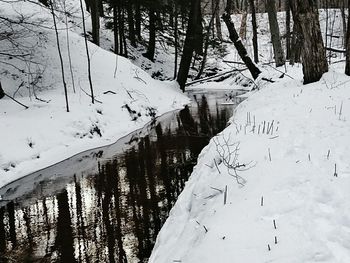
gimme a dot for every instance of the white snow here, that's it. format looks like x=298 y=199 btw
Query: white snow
x=45 y=133
x=291 y=166
x=289 y=176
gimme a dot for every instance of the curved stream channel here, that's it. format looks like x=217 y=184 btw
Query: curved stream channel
x=108 y=204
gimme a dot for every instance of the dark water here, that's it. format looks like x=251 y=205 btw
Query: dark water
x=108 y=204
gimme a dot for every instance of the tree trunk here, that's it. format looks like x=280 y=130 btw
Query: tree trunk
x=60 y=55
x=132 y=36
x=229 y=6
x=255 y=32
x=138 y=19
x=347 y=65
x=2 y=93
x=343 y=16
x=95 y=22
x=193 y=40
x=305 y=13
x=275 y=33
x=176 y=37
x=87 y=53
x=217 y=20
x=243 y=28
x=115 y=29
x=152 y=34
x=100 y=8
x=254 y=70
x=297 y=44
x=287 y=29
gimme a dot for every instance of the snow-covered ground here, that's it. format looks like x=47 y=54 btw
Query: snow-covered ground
x=273 y=186
x=33 y=138
x=291 y=200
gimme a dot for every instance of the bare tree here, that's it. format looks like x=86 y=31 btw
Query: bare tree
x=193 y=42
x=20 y=57
x=68 y=46
x=287 y=29
x=87 y=53
x=216 y=5
x=254 y=70
x=255 y=32
x=275 y=33
x=305 y=13
x=60 y=54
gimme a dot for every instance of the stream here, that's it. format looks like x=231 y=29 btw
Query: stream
x=108 y=204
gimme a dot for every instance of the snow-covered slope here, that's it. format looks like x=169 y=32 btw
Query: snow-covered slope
x=294 y=205
x=33 y=138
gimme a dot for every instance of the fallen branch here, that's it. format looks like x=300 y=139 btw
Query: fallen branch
x=26 y=107
x=336 y=50
x=91 y=96
x=214 y=76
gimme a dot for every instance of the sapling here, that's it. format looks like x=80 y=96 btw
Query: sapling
x=206 y=229
x=335 y=170
x=341 y=109
x=217 y=167
x=225 y=195
x=274 y=224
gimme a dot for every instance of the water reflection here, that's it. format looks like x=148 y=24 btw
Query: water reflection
x=109 y=204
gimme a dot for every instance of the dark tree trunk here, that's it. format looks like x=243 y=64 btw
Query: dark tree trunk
x=206 y=45
x=217 y=19
x=152 y=34
x=347 y=65
x=343 y=16
x=296 y=45
x=122 y=47
x=138 y=19
x=287 y=29
x=275 y=33
x=60 y=55
x=176 y=38
x=87 y=53
x=87 y=4
x=254 y=70
x=305 y=13
x=100 y=8
x=115 y=29
x=229 y=6
x=255 y=32
x=2 y=93
x=132 y=36
x=193 y=42
x=95 y=22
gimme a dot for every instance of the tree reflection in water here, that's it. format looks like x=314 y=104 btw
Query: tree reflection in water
x=113 y=215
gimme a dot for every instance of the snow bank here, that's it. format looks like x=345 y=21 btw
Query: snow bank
x=294 y=205
x=44 y=134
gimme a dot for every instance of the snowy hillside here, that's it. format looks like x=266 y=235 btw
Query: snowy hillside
x=273 y=186
x=289 y=145
x=126 y=96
